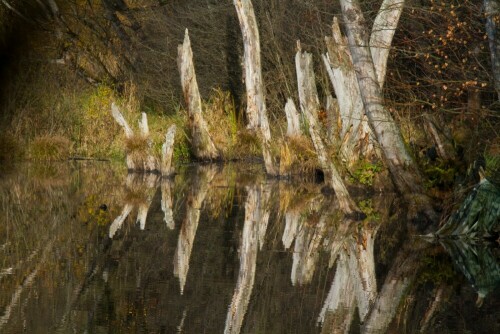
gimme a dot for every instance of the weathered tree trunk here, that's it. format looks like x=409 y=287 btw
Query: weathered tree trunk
x=167 y=151
x=199 y=190
x=404 y=171
x=356 y=139
x=309 y=104
x=203 y=146
x=444 y=147
x=139 y=155
x=254 y=228
x=292 y=119
x=492 y=13
x=333 y=121
x=256 y=103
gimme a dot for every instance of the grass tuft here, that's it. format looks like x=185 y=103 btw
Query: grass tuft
x=49 y=148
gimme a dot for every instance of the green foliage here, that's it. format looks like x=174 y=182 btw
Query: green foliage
x=493 y=168
x=91 y=212
x=441 y=175
x=437 y=270
x=366 y=206
x=365 y=172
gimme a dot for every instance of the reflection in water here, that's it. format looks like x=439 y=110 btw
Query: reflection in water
x=68 y=266
x=254 y=229
x=166 y=202
x=140 y=190
x=196 y=196
x=477 y=263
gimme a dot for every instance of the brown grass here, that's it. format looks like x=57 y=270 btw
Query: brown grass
x=49 y=148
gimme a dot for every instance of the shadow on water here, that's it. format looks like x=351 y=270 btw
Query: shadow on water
x=222 y=249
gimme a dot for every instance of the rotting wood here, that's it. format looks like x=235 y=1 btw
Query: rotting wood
x=333 y=120
x=444 y=147
x=292 y=119
x=139 y=155
x=167 y=151
x=202 y=144
x=256 y=103
x=309 y=104
x=404 y=171
x=356 y=138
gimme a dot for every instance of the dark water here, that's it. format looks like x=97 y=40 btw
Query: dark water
x=86 y=249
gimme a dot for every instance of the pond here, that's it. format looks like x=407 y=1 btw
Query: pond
x=87 y=248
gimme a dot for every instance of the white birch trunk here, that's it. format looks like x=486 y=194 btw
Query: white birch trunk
x=309 y=104
x=383 y=30
x=356 y=137
x=256 y=102
x=403 y=169
x=203 y=146
x=196 y=196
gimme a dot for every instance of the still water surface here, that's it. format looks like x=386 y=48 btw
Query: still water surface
x=84 y=248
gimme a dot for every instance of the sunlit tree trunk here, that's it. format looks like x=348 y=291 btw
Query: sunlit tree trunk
x=356 y=137
x=256 y=101
x=202 y=144
x=309 y=104
x=399 y=161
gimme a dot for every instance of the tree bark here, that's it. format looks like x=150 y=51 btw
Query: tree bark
x=309 y=104
x=404 y=171
x=167 y=151
x=256 y=103
x=292 y=118
x=492 y=13
x=356 y=138
x=203 y=146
